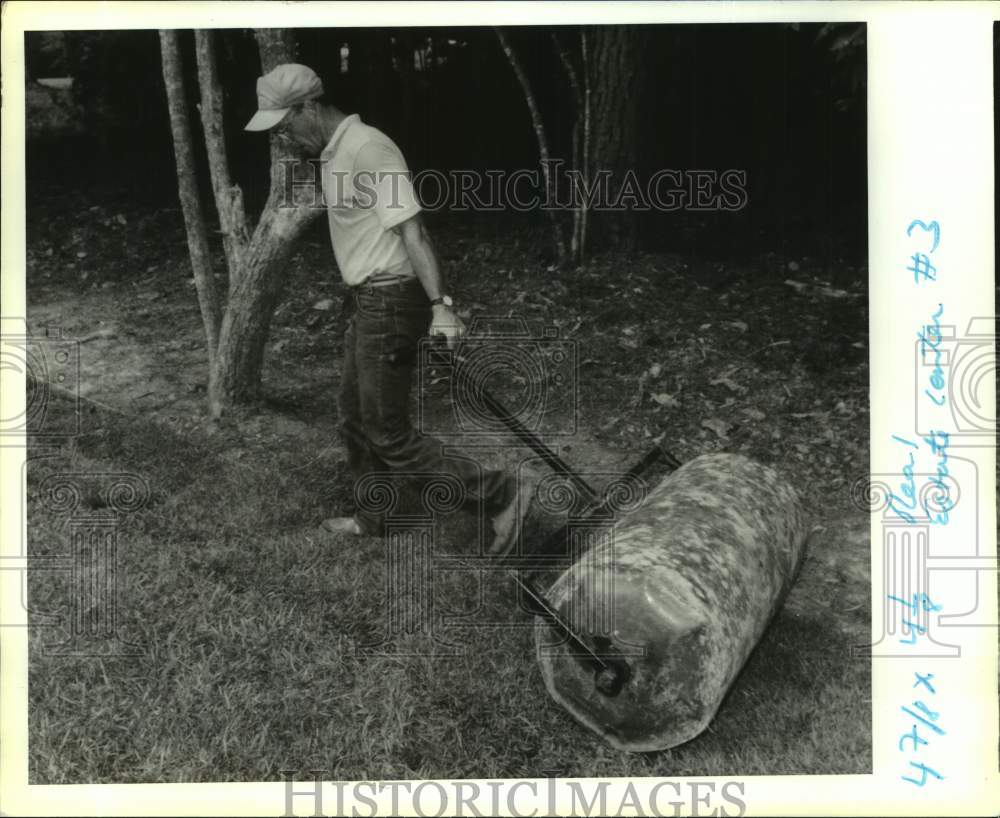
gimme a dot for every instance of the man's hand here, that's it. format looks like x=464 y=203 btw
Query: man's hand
x=445 y=322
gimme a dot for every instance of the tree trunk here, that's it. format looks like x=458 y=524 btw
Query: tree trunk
x=543 y=143
x=228 y=197
x=187 y=187
x=236 y=374
x=615 y=80
x=247 y=320
x=276 y=46
x=577 y=249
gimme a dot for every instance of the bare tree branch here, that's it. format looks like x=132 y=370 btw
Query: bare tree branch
x=543 y=143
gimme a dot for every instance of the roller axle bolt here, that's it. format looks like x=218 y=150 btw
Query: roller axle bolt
x=610 y=680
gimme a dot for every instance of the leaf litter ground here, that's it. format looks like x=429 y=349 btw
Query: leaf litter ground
x=250 y=621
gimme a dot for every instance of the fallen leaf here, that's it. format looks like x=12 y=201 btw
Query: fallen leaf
x=665 y=400
x=654 y=371
x=103 y=334
x=740 y=325
x=829 y=292
x=720 y=427
x=729 y=384
x=754 y=414
x=325 y=304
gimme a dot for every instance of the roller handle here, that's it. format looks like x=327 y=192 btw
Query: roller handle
x=507 y=418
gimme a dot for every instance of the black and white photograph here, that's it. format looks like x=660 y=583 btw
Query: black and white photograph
x=450 y=403
x=468 y=402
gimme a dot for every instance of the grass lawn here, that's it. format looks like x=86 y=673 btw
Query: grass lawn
x=247 y=622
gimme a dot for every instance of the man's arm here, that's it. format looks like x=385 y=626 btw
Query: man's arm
x=417 y=242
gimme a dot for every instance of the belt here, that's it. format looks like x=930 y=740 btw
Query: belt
x=383 y=281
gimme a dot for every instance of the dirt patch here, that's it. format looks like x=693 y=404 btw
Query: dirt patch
x=702 y=356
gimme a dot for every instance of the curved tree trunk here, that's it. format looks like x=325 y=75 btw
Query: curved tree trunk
x=615 y=80
x=543 y=142
x=235 y=377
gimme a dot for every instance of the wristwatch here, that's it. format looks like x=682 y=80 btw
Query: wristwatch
x=444 y=299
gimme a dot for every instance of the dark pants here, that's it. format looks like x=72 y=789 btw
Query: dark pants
x=380 y=355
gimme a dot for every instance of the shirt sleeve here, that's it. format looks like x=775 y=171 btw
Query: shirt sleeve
x=382 y=183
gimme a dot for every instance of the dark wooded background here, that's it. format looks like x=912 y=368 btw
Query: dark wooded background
x=785 y=103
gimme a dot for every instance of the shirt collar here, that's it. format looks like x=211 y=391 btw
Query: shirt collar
x=345 y=123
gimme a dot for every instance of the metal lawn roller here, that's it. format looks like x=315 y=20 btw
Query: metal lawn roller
x=641 y=637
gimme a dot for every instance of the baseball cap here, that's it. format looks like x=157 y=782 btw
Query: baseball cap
x=279 y=89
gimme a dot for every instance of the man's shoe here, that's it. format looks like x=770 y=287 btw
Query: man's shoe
x=508 y=521
x=342 y=525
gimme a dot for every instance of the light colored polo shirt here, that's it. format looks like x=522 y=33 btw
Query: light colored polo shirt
x=367 y=190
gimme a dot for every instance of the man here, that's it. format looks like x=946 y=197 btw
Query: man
x=386 y=257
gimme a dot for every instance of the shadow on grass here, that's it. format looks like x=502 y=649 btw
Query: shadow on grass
x=251 y=627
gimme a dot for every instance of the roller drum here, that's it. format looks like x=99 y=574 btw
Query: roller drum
x=682 y=588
